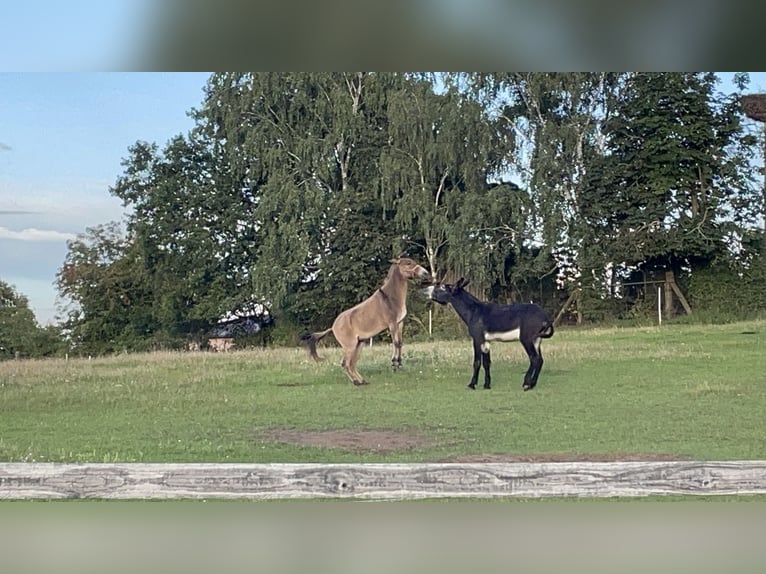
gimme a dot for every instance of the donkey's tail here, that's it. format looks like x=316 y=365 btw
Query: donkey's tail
x=310 y=339
x=546 y=331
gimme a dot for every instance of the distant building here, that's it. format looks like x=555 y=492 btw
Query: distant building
x=221 y=337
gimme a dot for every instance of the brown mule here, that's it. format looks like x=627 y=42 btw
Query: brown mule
x=386 y=308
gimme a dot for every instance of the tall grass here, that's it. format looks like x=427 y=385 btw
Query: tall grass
x=686 y=391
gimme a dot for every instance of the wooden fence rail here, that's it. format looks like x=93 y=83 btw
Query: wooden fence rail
x=379 y=481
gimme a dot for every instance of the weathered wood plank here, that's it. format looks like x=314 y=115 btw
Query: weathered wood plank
x=378 y=481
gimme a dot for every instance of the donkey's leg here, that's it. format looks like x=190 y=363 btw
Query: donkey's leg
x=477 y=353
x=396 y=344
x=486 y=362
x=535 y=363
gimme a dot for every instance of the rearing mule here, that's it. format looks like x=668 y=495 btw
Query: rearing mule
x=386 y=308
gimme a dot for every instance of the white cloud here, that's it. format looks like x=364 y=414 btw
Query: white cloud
x=68 y=206
x=32 y=234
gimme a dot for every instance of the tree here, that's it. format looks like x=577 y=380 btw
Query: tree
x=672 y=180
x=20 y=335
x=557 y=119
x=441 y=151
x=306 y=146
x=294 y=190
x=193 y=229
x=105 y=278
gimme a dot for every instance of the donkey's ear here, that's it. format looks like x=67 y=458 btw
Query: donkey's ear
x=440 y=276
x=459 y=282
x=466 y=282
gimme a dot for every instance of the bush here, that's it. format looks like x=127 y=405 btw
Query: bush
x=726 y=293
x=284 y=333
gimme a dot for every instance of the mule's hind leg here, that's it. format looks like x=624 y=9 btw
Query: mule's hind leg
x=357 y=378
x=350 y=357
x=351 y=346
x=396 y=344
x=345 y=362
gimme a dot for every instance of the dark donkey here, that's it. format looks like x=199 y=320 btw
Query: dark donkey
x=386 y=308
x=487 y=322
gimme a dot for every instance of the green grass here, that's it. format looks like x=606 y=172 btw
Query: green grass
x=685 y=391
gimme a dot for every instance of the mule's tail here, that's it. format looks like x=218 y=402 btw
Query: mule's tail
x=310 y=339
x=546 y=331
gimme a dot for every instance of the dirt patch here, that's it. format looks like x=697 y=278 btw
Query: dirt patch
x=352 y=440
x=387 y=441
x=565 y=457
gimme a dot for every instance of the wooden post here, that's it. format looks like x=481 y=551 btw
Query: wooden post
x=578 y=306
x=668 y=294
x=670 y=282
x=671 y=287
x=430 y=321
x=566 y=305
x=680 y=295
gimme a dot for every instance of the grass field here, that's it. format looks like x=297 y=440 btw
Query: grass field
x=696 y=392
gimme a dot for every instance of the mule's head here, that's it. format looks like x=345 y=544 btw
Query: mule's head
x=443 y=293
x=410 y=269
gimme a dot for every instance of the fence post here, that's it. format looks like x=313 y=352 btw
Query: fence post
x=430 y=321
x=668 y=293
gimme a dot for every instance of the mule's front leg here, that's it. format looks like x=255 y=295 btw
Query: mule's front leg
x=396 y=344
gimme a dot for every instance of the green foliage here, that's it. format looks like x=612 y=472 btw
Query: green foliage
x=294 y=190
x=307 y=144
x=727 y=294
x=440 y=152
x=658 y=198
x=285 y=333
x=20 y=335
x=192 y=228
x=105 y=275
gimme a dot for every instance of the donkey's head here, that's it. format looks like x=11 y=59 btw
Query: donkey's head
x=409 y=268
x=444 y=293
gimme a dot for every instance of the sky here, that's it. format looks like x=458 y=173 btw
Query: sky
x=62 y=139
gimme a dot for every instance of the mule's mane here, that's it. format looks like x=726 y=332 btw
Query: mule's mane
x=392 y=270
x=395 y=278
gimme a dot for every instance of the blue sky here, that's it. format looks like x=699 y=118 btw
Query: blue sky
x=62 y=138
x=45 y=35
